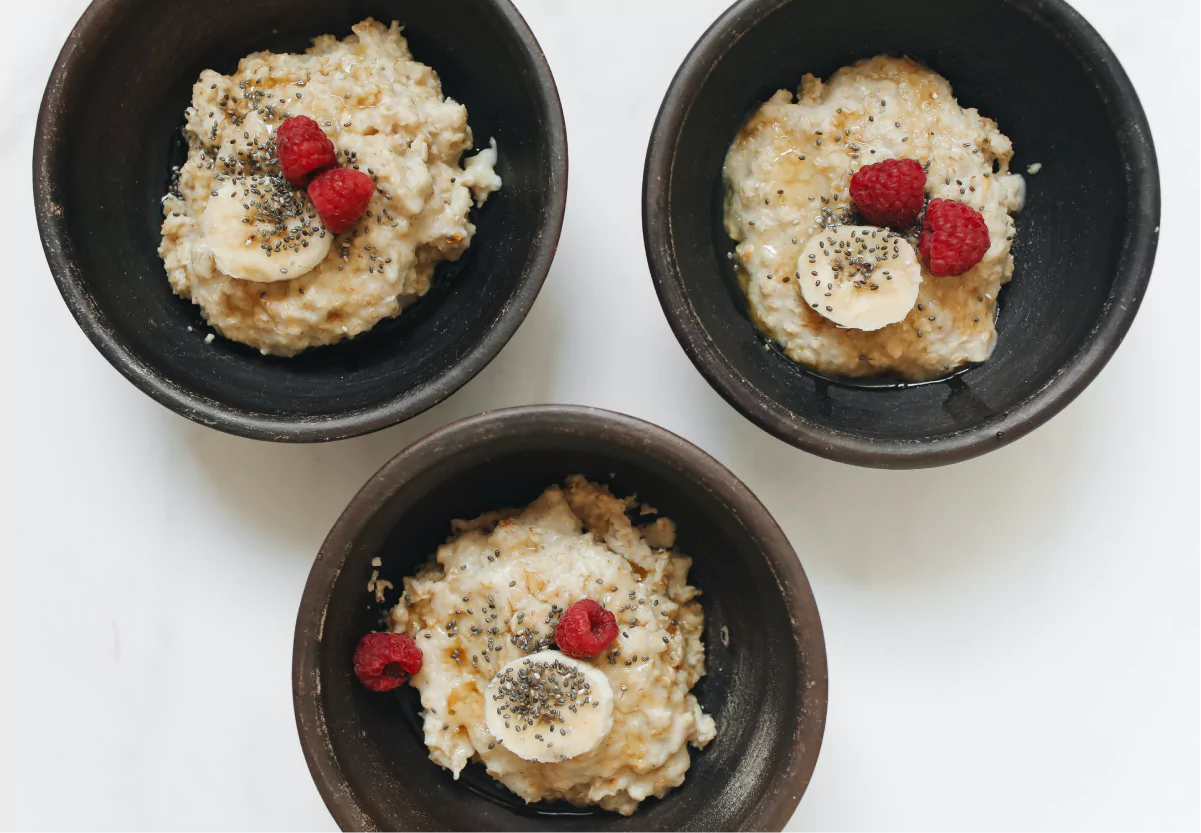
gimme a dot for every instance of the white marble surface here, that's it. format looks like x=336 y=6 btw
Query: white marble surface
x=1013 y=641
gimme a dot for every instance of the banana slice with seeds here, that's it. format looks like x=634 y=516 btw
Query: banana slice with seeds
x=548 y=707
x=859 y=277
x=261 y=229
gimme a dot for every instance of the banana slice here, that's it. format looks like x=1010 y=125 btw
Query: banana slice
x=859 y=277
x=260 y=229
x=548 y=707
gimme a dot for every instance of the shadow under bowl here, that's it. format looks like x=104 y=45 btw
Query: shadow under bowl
x=109 y=132
x=1085 y=241
x=765 y=655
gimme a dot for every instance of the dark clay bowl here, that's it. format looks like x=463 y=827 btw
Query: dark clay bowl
x=109 y=132
x=766 y=683
x=1085 y=239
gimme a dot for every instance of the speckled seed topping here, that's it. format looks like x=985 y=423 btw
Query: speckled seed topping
x=857 y=261
x=250 y=161
x=538 y=691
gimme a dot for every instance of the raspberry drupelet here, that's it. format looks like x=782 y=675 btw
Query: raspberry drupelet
x=384 y=661
x=303 y=150
x=890 y=193
x=585 y=629
x=954 y=238
x=341 y=195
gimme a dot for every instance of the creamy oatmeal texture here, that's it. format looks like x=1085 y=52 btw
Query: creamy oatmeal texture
x=493 y=594
x=787 y=176
x=385 y=113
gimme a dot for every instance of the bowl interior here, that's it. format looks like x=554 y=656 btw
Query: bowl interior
x=765 y=682
x=119 y=135
x=1041 y=81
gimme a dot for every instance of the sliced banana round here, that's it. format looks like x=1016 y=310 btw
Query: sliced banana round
x=548 y=707
x=260 y=229
x=859 y=277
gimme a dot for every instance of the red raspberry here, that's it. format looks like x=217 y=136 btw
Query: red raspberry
x=585 y=629
x=341 y=196
x=303 y=149
x=890 y=193
x=954 y=238
x=384 y=661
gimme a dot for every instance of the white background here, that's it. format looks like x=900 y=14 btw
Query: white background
x=1013 y=641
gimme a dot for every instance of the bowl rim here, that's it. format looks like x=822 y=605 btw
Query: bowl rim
x=563 y=420
x=1130 y=285
x=56 y=243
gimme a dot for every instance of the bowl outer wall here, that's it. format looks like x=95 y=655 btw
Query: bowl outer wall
x=671 y=452
x=1018 y=420
x=54 y=233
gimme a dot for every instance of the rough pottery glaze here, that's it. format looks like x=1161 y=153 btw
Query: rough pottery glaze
x=107 y=137
x=766 y=665
x=1085 y=239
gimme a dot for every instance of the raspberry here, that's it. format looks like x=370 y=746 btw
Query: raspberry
x=585 y=629
x=384 y=661
x=303 y=149
x=890 y=193
x=341 y=196
x=954 y=238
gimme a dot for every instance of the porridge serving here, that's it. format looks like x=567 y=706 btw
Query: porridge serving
x=844 y=263
x=557 y=645
x=320 y=191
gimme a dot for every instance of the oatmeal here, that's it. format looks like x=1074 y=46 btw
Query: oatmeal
x=787 y=176
x=299 y=285
x=484 y=614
